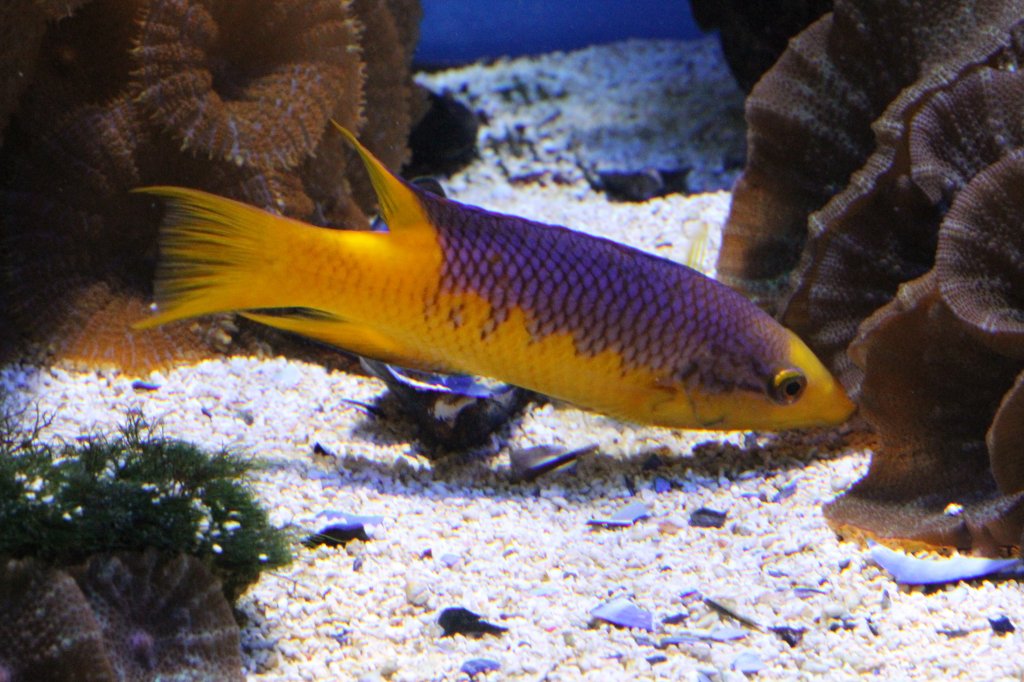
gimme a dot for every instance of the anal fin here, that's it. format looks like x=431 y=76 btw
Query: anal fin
x=345 y=335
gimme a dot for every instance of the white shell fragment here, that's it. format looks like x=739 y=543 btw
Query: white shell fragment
x=748 y=663
x=626 y=516
x=328 y=516
x=908 y=570
x=624 y=613
x=528 y=464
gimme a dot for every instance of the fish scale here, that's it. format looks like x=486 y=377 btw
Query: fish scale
x=606 y=297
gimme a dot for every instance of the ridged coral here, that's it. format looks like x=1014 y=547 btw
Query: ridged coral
x=235 y=98
x=931 y=391
x=251 y=83
x=879 y=213
x=162 y=617
x=48 y=630
x=136 y=616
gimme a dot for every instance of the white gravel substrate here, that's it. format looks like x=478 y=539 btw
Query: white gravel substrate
x=457 y=532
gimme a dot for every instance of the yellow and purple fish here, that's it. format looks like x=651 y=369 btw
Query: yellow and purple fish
x=455 y=288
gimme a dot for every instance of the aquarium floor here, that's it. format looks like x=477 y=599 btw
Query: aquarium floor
x=459 y=532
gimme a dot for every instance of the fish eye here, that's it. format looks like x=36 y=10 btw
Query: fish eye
x=787 y=386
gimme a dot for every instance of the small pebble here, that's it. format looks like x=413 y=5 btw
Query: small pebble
x=834 y=610
x=748 y=663
x=417 y=592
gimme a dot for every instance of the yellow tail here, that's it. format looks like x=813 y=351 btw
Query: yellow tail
x=218 y=255
x=354 y=289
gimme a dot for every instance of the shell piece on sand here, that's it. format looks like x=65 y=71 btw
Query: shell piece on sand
x=627 y=516
x=908 y=570
x=452 y=411
x=624 y=613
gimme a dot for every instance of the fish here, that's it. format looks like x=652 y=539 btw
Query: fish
x=454 y=288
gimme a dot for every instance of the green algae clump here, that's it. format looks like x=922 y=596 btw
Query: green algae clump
x=128 y=492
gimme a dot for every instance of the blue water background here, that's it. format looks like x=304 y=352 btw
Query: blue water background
x=456 y=31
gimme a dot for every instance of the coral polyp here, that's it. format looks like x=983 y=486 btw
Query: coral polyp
x=254 y=84
x=161 y=614
x=48 y=631
x=235 y=98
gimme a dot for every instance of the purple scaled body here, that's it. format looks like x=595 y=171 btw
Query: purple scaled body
x=653 y=312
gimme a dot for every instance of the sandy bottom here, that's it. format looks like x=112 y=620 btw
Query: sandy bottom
x=459 y=532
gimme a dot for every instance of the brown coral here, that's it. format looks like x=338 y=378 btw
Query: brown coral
x=162 y=616
x=234 y=98
x=388 y=89
x=23 y=24
x=980 y=255
x=128 y=616
x=251 y=83
x=810 y=121
x=58 y=9
x=48 y=631
x=930 y=389
x=880 y=207
x=76 y=266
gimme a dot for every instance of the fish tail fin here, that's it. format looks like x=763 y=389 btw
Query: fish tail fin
x=218 y=255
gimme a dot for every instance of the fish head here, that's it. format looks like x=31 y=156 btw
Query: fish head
x=803 y=393
x=788 y=389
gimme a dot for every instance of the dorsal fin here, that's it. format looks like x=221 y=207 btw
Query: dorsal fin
x=399 y=203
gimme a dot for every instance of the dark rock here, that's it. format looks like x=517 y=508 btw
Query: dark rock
x=1001 y=625
x=337 y=535
x=707 y=518
x=456 y=620
x=444 y=140
x=754 y=34
x=790 y=635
